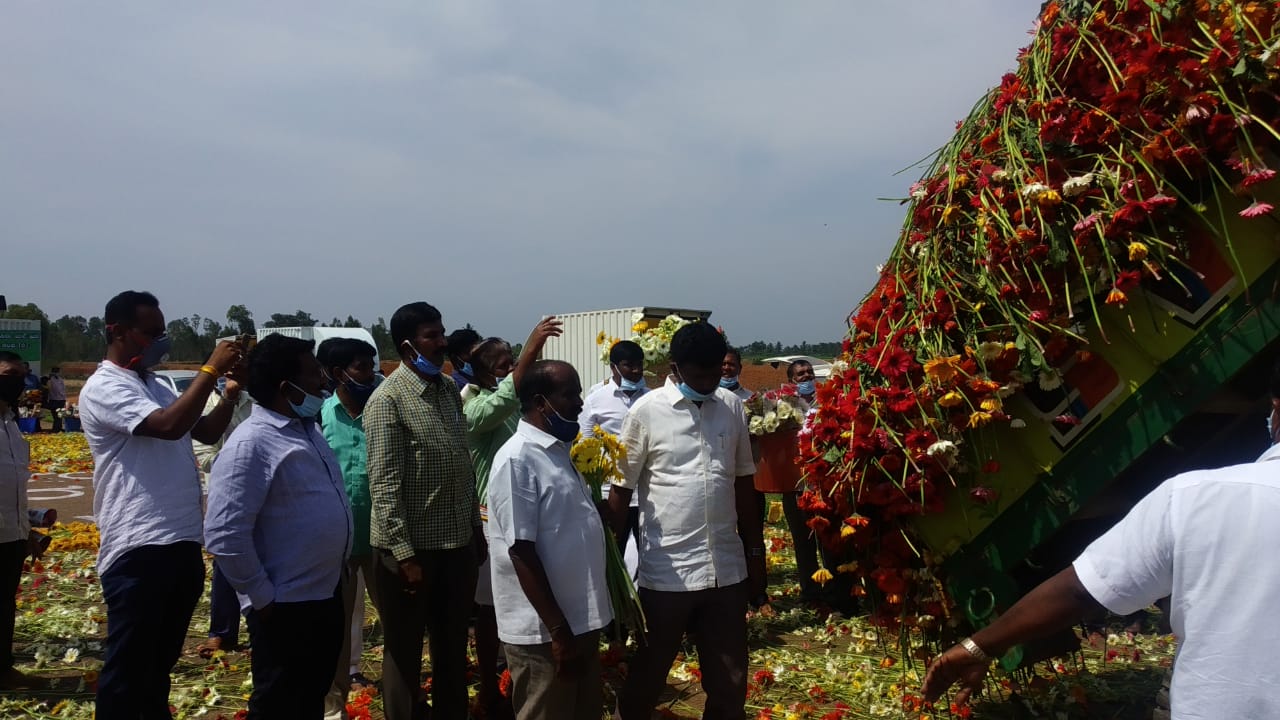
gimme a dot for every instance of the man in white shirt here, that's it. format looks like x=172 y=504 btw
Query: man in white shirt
x=730 y=370
x=15 y=527
x=701 y=543
x=146 y=502
x=547 y=555
x=608 y=404
x=280 y=526
x=1196 y=537
x=224 y=608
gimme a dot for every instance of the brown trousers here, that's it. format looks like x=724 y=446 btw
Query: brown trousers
x=716 y=620
x=538 y=694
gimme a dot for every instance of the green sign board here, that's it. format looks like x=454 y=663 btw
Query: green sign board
x=26 y=343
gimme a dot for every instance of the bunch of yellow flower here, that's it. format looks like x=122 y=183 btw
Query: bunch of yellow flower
x=597 y=459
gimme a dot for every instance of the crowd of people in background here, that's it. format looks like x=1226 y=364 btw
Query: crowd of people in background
x=451 y=501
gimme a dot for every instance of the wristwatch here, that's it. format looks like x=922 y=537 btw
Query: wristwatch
x=974 y=650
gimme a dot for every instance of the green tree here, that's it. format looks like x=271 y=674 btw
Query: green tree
x=382 y=339
x=239 y=317
x=300 y=318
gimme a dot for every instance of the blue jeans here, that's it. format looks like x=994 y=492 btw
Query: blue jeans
x=151 y=593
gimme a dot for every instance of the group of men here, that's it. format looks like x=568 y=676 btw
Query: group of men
x=418 y=484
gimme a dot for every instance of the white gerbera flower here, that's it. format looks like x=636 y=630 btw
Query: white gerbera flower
x=1050 y=380
x=1077 y=185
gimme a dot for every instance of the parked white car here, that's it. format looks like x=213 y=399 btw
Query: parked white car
x=821 y=368
x=177 y=380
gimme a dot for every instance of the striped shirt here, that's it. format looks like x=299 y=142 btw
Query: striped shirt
x=421 y=481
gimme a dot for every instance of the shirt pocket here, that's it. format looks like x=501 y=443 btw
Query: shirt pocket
x=719 y=451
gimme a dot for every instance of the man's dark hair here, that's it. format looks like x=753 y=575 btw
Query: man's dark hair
x=626 y=351
x=326 y=347
x=407 y=320
x=735 y=353
x=274 y=360
x=57 y=369
x=795 y=366
x=123 y=308
x=486 y=349
x=12 y=357
x=462 y=340
x=346 y=351
x=700 y=344
x=538 y=380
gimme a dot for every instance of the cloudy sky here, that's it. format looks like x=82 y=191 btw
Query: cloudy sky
x=500 y=160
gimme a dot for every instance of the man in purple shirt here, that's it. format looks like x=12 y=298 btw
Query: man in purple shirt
x=280 y=526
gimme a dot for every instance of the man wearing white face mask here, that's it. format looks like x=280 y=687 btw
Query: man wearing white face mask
x=492 y=410
x=607 y=405
x=146 y=501
x=276 y=481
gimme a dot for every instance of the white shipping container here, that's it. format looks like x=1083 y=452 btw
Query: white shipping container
x=577 y=345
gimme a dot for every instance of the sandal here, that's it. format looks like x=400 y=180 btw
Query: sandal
x=207 y=649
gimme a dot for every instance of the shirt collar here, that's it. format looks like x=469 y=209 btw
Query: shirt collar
x=273 y=418
x=1272 y=453
x=537 y=436
x=424 y=384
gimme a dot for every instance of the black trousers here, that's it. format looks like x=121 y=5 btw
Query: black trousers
x=295 y=654
x=151 y=593
x=440 y=609
x=716 y=620
x=12 y=555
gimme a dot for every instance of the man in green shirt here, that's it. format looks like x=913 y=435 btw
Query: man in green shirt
x=342 y=422
x=425 y=520
x=493 y=412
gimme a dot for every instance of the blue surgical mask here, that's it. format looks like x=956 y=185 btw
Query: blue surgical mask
x=560 y=429
x=424 y=366
x=467 y=371
x=729 y=383
x=361 y=391
x=155 y=352
x=310 y=405
x=693 y=395
x=806 y=387
x=631 y=385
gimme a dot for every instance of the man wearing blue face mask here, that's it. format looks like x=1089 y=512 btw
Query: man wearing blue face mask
x=688 y=457
x=425 y=524
x=461 y=342
x=275 y=483
x=147 y=501
x=607 y=405
x=342 y=422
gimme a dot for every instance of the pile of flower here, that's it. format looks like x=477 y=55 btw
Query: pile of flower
x=775 y=410
x=59 y=453
x=655 y=340
x=597 y=459
x=74 y=536
x=1076 y=183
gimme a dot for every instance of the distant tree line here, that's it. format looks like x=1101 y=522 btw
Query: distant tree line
x=73 y=338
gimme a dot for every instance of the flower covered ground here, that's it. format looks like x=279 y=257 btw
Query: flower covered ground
x=805 y=663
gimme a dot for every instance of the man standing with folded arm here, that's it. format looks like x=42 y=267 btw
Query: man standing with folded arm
x=701 y=539
x=280 y=527
x=547 y=555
